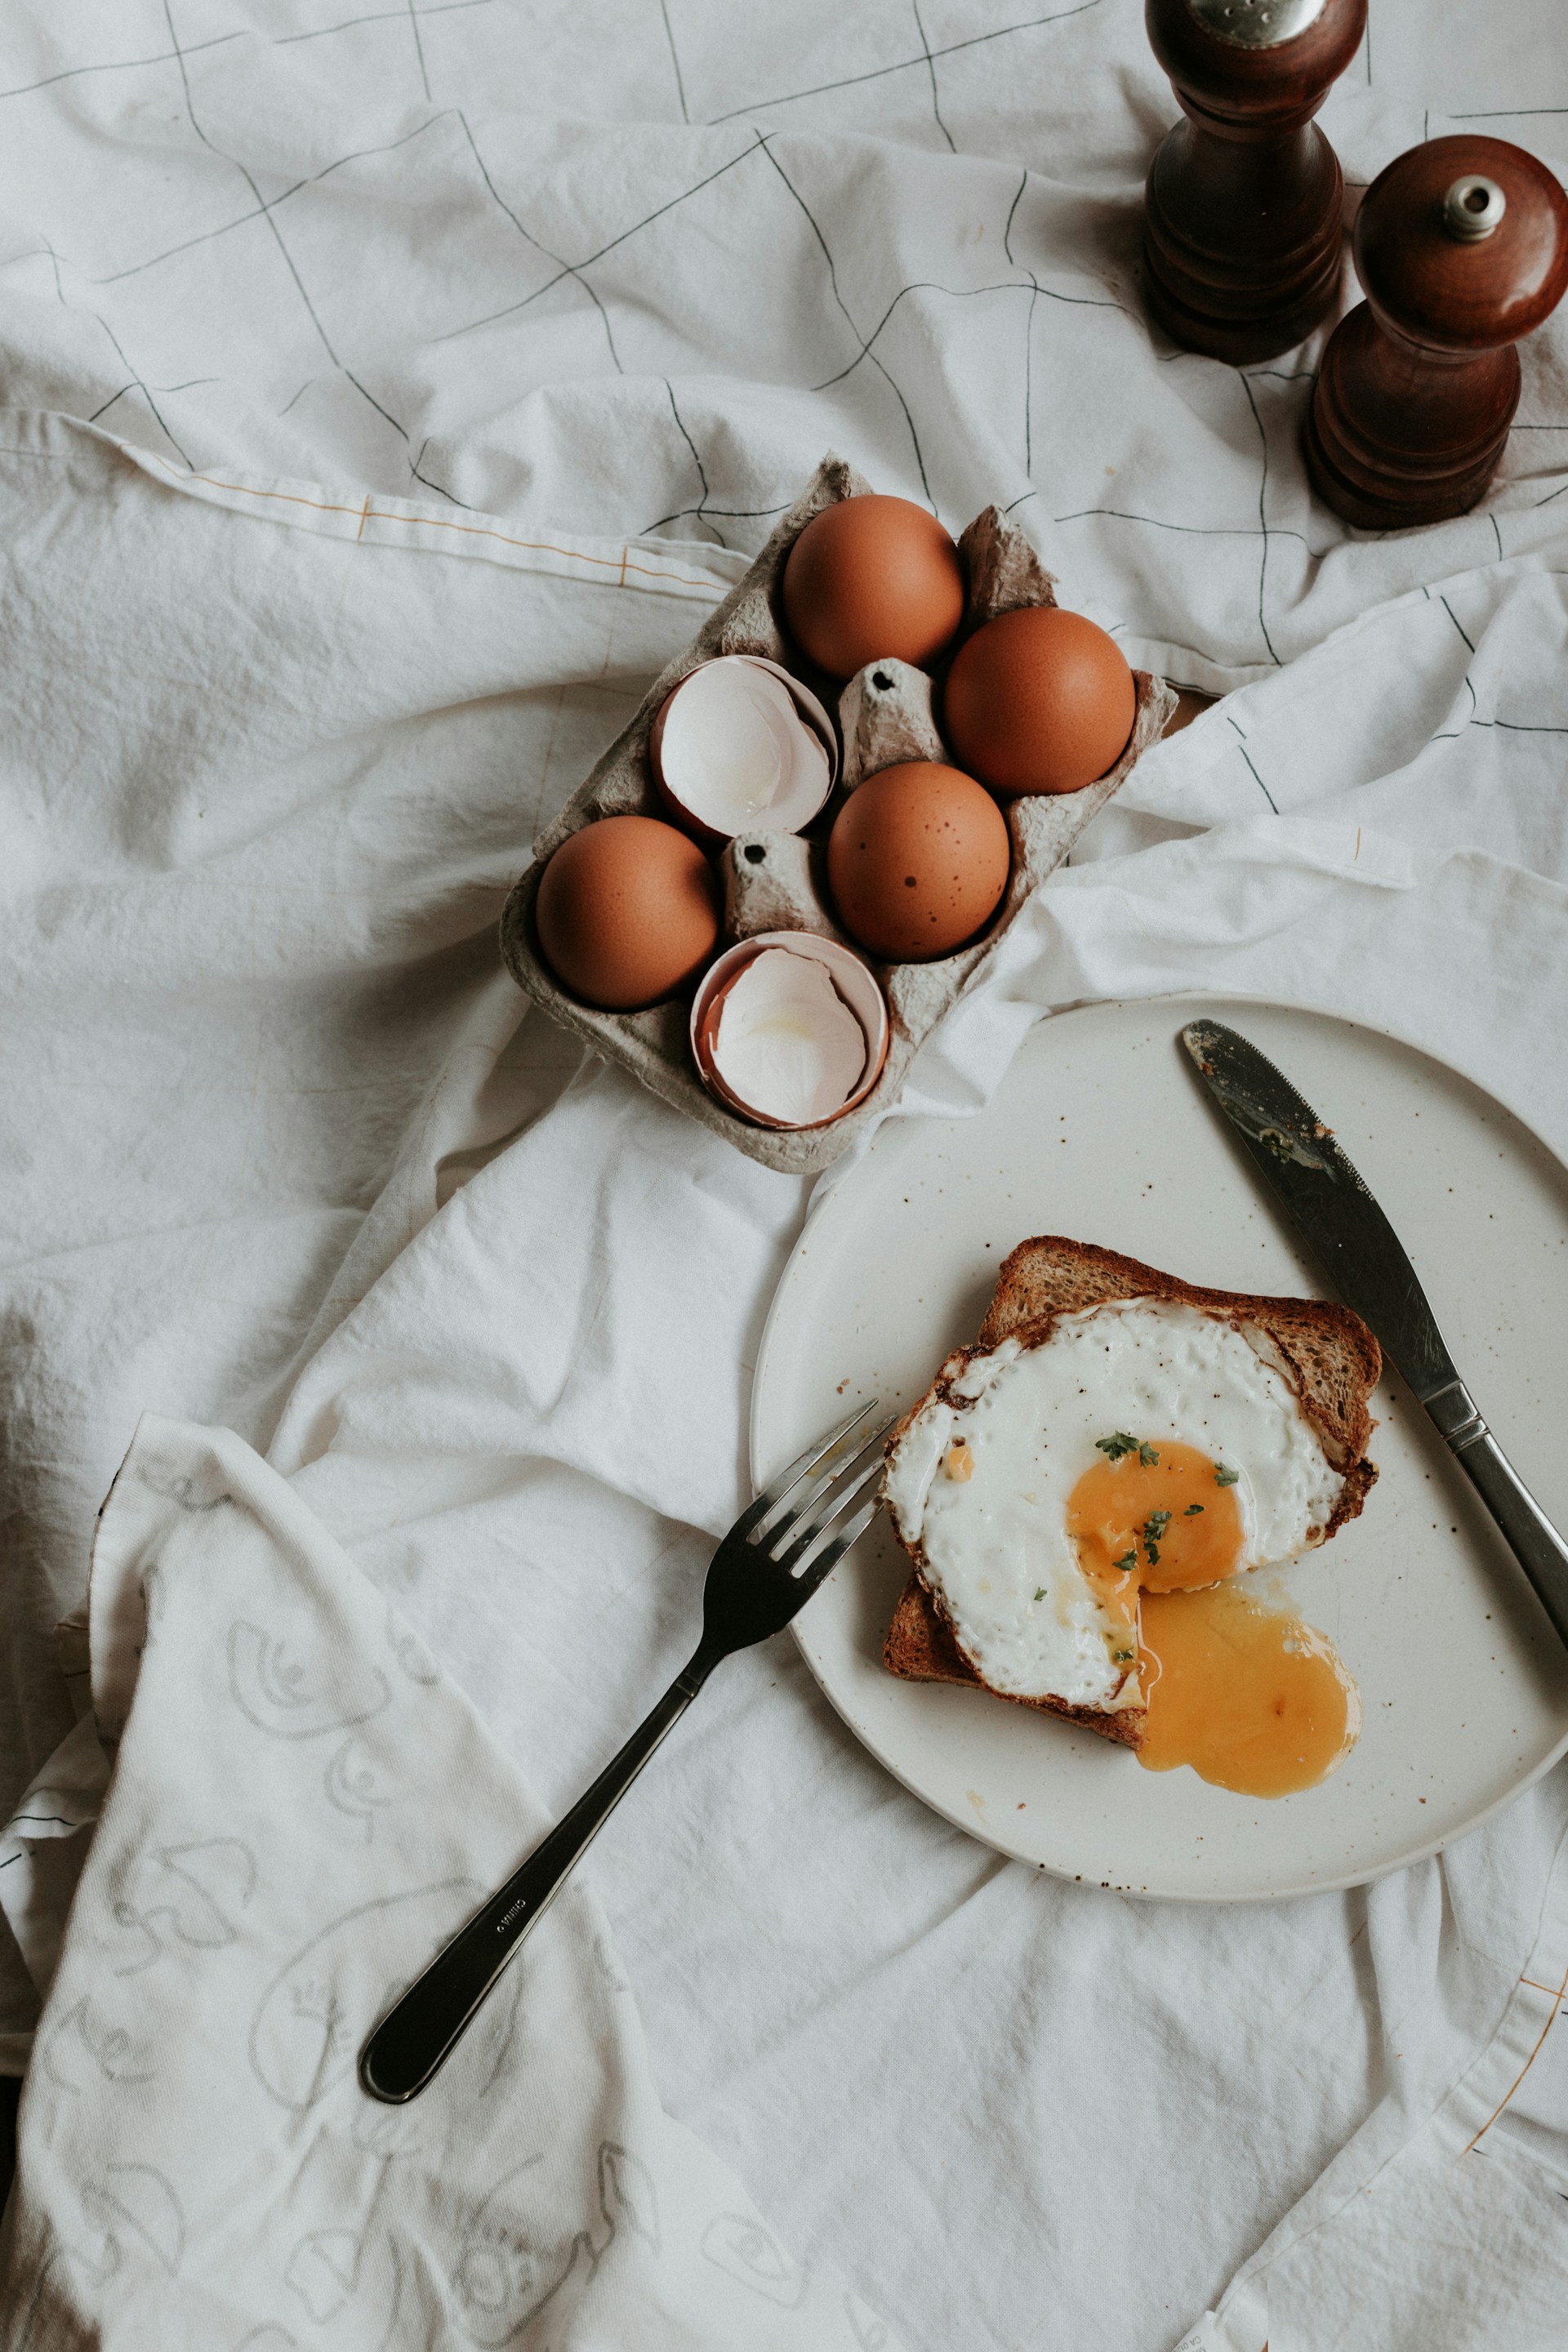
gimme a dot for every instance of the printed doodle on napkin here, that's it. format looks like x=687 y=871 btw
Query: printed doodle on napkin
x=301 y=1809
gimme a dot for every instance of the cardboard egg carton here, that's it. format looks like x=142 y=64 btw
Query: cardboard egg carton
x=775 y=881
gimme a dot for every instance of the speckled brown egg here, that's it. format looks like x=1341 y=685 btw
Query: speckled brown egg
x=918 y=861
x=1039 y=701
x=628 y=912
x=871 y=578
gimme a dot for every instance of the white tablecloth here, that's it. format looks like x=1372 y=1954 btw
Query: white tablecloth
x=431 y=371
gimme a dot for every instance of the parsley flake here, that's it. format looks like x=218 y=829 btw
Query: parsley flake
x=1127 y=1563
x=1189 y=1510
x=1039 y=1591
x=1119 y=1443
x=1224 y=1478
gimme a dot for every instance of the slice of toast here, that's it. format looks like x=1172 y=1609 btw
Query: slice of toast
x=1328 y=1354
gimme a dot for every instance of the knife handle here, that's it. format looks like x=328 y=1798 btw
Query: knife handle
x=1526 y=1529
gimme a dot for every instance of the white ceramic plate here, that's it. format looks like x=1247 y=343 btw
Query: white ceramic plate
x=1100 y=1132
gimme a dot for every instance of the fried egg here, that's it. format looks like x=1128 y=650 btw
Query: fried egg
x=1142 y=1447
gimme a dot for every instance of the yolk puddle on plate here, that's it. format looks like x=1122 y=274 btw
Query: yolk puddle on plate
x=1252 y=1698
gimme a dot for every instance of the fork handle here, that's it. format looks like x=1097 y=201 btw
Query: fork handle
x=417 y=2034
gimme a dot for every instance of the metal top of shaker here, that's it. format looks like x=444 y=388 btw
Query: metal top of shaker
x=1473 y=207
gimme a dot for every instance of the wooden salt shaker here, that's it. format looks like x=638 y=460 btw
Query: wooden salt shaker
x=1242 y=222
x=1462 y=248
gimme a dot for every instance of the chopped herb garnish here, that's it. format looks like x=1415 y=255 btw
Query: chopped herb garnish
x=1154 y=1526
x=1224 y=1478
x=1119 y=1443
x=1122 y=1657
x=1189 y=1510
x=1039 y=1591
x=1127 y=1563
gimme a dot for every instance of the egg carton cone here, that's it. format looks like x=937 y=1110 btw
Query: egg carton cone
x=776 y=881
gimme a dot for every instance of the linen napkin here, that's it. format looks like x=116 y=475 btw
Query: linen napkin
x=298 y=1808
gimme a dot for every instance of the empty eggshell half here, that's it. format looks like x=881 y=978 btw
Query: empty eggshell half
x=789 y=1029
x=741 y=743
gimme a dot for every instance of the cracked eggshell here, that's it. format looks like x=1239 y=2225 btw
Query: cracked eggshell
x=781 y=889
x=740 y=745
x=853 y=982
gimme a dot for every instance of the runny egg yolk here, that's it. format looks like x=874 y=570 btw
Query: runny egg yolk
x=1252 y=1698
x=1156 y=1519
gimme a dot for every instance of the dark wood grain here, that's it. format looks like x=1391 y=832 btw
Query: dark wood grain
x=1242 y=247
x=1419 y=384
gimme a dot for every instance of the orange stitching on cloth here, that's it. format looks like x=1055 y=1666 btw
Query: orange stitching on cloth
x=467 y=530
x=364 y=517
x=242 y=489
x=1556 y=1999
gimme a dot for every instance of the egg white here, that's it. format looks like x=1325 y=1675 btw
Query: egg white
x=996 y=1545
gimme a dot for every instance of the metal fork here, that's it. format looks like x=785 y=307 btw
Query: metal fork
x=766 y=1568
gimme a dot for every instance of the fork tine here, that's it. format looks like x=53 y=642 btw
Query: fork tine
x=760 y=1516
x=826 y=1488
x=833 y=1552
x=793 y=1537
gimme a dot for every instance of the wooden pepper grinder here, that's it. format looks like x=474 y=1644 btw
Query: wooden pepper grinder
x=1242 y=219
x=1462 y=248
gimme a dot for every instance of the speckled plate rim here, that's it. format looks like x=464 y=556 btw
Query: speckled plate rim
x=1193 y=1001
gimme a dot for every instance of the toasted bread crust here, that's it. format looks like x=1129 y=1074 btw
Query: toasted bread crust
x=921 y=1647
x=1329 y=1356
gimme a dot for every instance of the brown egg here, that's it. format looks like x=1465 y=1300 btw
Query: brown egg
x=628 y=912
x=1039 y=701
x=871 y=578
x=918 y=860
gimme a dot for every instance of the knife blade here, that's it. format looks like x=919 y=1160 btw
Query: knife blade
x=1324 y=1197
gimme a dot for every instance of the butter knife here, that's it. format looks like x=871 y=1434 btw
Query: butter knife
x=1364 y=1259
